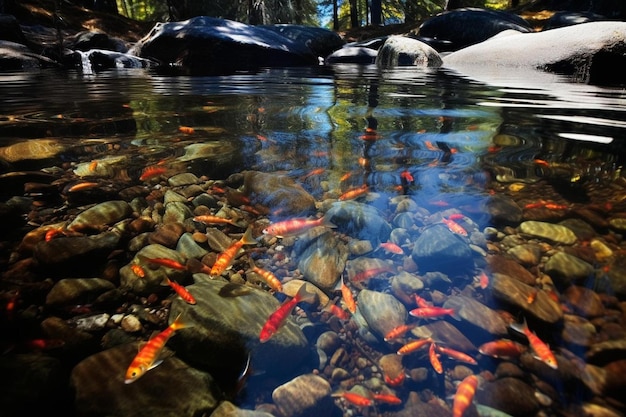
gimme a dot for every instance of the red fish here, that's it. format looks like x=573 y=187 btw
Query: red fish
x=421 y=302
x=392 y=248
x=296 y=226
x=338 y=312
x=268 y=277
x=501 y=348
x=454 y=227
x=413 y=346
x=541 y=349
x=406 y=176
x=398 y=331
x=355 y=399
x=455 y=354
x=483 y=280
x=464 y=395
x=209 y=219
x=430 y=312
x=278 y=317
x=82 y=186
x=387 y=399
x=370 y=273
x=181 y=291
x=434 y=358
x=148 y=356
x=138 y=270
x=151 y=172
x=394 y=382
x=186 y=130
x=225 y=259
x=166 y=262
x=354 y=193
x=348 y=298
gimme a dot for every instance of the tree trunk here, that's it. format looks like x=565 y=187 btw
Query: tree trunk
x=377 y=12
x=335 y=15
x=354 y=14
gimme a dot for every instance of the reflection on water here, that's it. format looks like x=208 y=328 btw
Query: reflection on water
x=494 y=164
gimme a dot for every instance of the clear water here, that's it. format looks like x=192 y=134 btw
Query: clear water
x=455 y=135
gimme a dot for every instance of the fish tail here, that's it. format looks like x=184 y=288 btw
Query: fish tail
x=178 y=323
x=247 y=238
x=327 y=223
x=520 y=327
x=305 y=295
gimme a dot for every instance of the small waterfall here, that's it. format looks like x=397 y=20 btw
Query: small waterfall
x=85 y=63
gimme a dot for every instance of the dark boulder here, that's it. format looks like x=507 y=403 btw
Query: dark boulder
x=321 y=41
x=208 y=45
x=468 y=26
x=566 y=18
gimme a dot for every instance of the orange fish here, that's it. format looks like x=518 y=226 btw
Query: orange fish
x=430 y=312
x=398 y=331
x=430 y=146
x=370 y=135
x=355 y=399
x=53 y=233
x=186 y=130
x=532 y=296
x=406 y=176
x=317 y=171
x=456 y=216
x=354 y=193
x=268 y=277
x=348 y=298
x=82 y=186
x=392 y=248
x=148 y=356
x=483 y=280
x=93 y=165
x=458 y=355
x=541 y=162
x=345 y=176
x=434 y=358
x=138 y=270
x=464 y=395
x=394 y=382
x=421 y=302
x=180 y=290
x=151 y=172
x=413 y=346
x=209 y=219
x=501 y=348
x=541 y=349
x=337 y=311
x=278 y=317
x=387 y=399
x=370 y=273
x=166 y=262
x=296 y=226
x=454 y=227
x=225 y=259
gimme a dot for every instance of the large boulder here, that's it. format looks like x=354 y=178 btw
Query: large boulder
x=403 y=51
x=210 y=45
x=590 y=52
x=321 y=41
x=468 y=26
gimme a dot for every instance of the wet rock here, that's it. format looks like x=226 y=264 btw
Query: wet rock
x=592 y=217
x=307 y=395
x=101 y=215
x=584 y=301
x=176 y=212
x=352 y=55
x=321 y=259
x=279 y=192
x=578 y=331
x=443 y=332
x=76 y=255
x=500 y=265
x=617 y=278
x=91 y=323
x=404 y=51
x=77 y=291
x=225 y=328
x=415 y=407
x=359 y=221
x=439 y=249
x=504 y=211
x=185 y=178
x=605 y=352
x=98 y=383
x=454 y=26
x=101 y=59
x=581 y=229
x=526 y=254
x=167 y=235
x=548 y=231
x=228 y=409
x=404 y=285
x=382 y=311
x=618 y=223
x=189 y=248
x=208 y=45
x=477 y=314
x=320 y=40
x=328 y=341
x=38 y=384
x=154 y=275
x=364 y=268
x=516 y=293
x=509 y=395
x=566 y=269
x=291 y=287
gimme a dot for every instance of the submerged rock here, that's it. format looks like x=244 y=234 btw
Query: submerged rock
x=383 y=312
x=278 y=192
x=439 y=249
x=403 y=51
x=307 y=395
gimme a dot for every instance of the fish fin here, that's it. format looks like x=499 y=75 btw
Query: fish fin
x=305 y=295
x=165 y=281
x=247 y=238
x=519 y=327
x=327 y=223
x=155 y=364
x=178 y=323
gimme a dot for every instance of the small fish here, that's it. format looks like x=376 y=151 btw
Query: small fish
x=337 y=311
x=541 y=162
x=138 y=270
x=456 y=354
x=148 y=356
x=296 y=226
x=166 y=262
x=43 y=344
x=370 y=273
x=313 y=172
x=406 y=176
x=454 y=227
x=431 y=312
x=532 y=296
x=93 y=165
x=209 y=219
x=370 y=135
x=414 y=345
x=225 y=259
x=456 y=216
x=82 y=186
x=501 y=348
x=151 y=172
x=354 y=193
x=348 y=298
x=186 y=130
x=483 y=280
x=267 y=276
x=421 y=302
x=386 y=398
x=54 y=233
x=541 y=349
x=434 y=358
x=278 y=317
x=392 y=248
x=554 y=206
x=180 y=290
x=394 y=382
x=398 y=331
x=464 y=395
x=355 y=399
